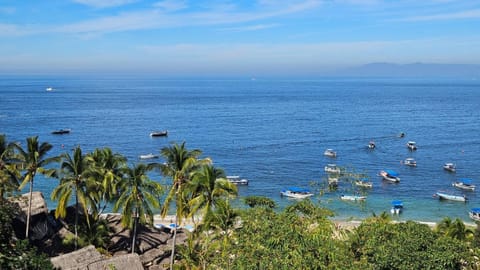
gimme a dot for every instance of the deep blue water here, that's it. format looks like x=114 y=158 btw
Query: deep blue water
x=273 y=132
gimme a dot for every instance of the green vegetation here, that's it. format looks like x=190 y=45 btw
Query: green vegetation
x=302 y=236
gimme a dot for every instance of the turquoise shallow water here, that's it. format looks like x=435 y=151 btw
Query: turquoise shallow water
x=272 y=132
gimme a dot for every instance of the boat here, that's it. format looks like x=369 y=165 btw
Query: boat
x=353 y=198
x=397 y=207
x=364 y=183
x=148 y=156
x=49 y=88
x=235 y=179
x=333 y=181
x=159 y=133
x=465 y=184
x=371 y=145
x=410 y=162
x=330 y=153
x=401 y=135
x=412 y=145
x=61 y=131
x=390 y=175
x=332 y=168
x=296 y=192
x=450 y=197
x=474 y=214
x=449 y=167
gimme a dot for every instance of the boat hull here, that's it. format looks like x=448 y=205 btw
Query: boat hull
x=443 y=196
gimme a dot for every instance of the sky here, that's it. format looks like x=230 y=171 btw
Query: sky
x=232 y=38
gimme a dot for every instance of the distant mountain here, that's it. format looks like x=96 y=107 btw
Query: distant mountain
x=412 y=70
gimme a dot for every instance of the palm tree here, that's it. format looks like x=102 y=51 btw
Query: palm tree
x=208 y=186
x=108 y=174
x=180 y=162
x=454 y=229
x=140 y=194
x=75 y=170
x=9 y=174
x=33 y=160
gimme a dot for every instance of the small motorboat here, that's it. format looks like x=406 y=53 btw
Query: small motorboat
x=390 y=176
x=353 y=198
x=449 y=167
x=332 y=168
x=159 y=133
x=148 y=156
x=333 y=181
x=365 y=183
x=371 y=145
x=330 y=153
x=474 y=214
x=235 y=179
x=410 y=162
x=296 y=193
x=450 y=197
x=49 y=88
x=397 y=207
x=465 y=184
x=61 y=131
x=412 y=145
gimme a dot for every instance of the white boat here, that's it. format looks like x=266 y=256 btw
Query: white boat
x=330 y=153
x=465 y=184
x=371 y=145
x=235 y=179
x=296 y=192
x=148 y=156
x=412 y=145
x=445 y=196
x=353 y=198
x=333 y=181
x=363 y=183
x=410 y=162
x=474 y=214
x=332 y=168
x=390 y=176
x=397 y=207
x=449 y=167
x=49 y=89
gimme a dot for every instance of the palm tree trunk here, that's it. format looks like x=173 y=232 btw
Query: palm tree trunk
x=134 y=231
x=172 y=256
x=76 y=218
x=29 y=212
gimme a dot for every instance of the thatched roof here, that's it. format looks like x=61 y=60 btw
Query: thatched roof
x=39 y=206
x=127 y=262
x=77 y=260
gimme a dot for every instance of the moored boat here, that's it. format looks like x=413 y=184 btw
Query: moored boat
x=159 y=133
x=332 y=168
x=364 y=183
x=390 y=175
x=397 y=207
x=235 y=179
x=61 y=131
x=353 y=198
x=410 y=162
x=412 y=145
x=333 y=181
x=450 y=197
x=474 y=214
x=449 y=167
x=148 y=156
x=371 y=145
x=296 y=192
x=465 y=184
x=49 y=88
x=330 y=153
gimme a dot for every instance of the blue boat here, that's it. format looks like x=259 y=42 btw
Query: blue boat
x=397 y=207
x=475 y=214
x=465 y=184
x=296 y=192
x=390 y=175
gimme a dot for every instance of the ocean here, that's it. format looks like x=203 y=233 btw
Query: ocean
x=272 y=132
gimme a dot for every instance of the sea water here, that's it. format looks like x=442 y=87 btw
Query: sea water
x=272 y=132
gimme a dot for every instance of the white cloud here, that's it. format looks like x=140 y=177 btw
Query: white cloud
x=104 y=3
x=248 y=28
x=171 y=5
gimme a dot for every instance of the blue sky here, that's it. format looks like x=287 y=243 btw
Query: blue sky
x=233 y=38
